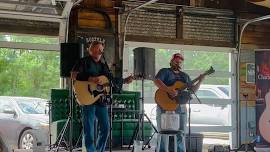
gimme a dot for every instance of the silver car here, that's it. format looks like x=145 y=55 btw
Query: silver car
x=24 y=123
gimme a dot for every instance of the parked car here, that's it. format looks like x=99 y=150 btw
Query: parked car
x=24 y=122
x=214 y=91
x=204 y=114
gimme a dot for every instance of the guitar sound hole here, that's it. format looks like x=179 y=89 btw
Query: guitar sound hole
x=99 y=87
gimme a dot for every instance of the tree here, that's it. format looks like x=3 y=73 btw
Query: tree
x=28 y=72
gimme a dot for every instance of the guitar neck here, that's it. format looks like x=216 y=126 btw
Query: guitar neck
x=208 y=72
x=196 y=79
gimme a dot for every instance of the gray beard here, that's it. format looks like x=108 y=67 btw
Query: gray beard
x=176 y=68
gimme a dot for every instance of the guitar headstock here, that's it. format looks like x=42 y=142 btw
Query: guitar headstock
x=209 y=71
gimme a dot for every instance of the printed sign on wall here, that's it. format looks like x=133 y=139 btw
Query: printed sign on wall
x=262 y=60
x=250 y=73
x=247 y=91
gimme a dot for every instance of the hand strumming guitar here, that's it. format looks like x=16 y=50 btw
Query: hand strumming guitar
x=95 y=80
x=128 y=79
x=172 y=92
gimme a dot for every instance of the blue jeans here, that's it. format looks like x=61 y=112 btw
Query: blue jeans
x=89 y=112
x=181 y=110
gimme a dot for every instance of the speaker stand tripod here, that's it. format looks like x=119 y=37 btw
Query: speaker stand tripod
x=67 y=126
x=140 y=125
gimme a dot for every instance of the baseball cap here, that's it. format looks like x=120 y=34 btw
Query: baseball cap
x=177 y=55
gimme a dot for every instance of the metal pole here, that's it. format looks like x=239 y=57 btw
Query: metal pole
x=71 y=116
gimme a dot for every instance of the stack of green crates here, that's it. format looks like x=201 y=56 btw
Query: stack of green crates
x=123 y=131
x=130 y=101
x=60 y=108
x=60 y=104
x=125 y=122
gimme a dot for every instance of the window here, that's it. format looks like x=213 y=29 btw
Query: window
x=4 y=105
x=31 y=106
x=29 y=72
x=28 y=39
x=215 y=93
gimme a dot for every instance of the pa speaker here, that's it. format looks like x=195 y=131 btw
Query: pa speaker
x=69 y=55
x=144 y=63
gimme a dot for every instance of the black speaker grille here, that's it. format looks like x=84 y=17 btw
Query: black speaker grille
x=144 y=63
x=69 y=55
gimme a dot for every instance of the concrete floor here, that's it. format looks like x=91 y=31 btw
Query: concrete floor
x=208 y=142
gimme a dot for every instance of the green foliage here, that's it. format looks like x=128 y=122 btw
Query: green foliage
x=201 y=60
x=198 y=60
x=28 y=72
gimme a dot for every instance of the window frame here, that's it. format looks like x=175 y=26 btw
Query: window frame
x=231 y=74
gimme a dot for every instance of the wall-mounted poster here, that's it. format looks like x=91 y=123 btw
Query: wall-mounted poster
x=247 y=91
x=262 y=60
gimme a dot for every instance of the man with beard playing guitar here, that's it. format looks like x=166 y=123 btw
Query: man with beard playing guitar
x=167 y=77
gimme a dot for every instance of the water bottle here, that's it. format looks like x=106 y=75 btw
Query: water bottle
x=258 y=139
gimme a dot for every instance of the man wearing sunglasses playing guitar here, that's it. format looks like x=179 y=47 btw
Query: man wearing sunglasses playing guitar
x=93 y=72
x=167 y=77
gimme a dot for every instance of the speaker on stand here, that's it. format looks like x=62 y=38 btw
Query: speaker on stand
x=144 y=68
x=144 y=63
x=70 y=53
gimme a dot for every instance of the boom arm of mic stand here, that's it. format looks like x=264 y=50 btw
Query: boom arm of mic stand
x=193 y=92
x=111 y=96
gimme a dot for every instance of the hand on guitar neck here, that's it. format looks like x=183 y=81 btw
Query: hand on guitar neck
x=128 y=79
x=199 y=81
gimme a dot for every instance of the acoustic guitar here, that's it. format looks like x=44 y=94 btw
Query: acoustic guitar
x=88 y=93
x=168 y=103
x=264 y=121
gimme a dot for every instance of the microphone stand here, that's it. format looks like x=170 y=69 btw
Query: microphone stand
x=110 y=98
x=189 y=89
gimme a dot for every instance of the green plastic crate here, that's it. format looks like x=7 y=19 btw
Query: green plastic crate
x=131 y=100
x=60 y=100
x=137 y=97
